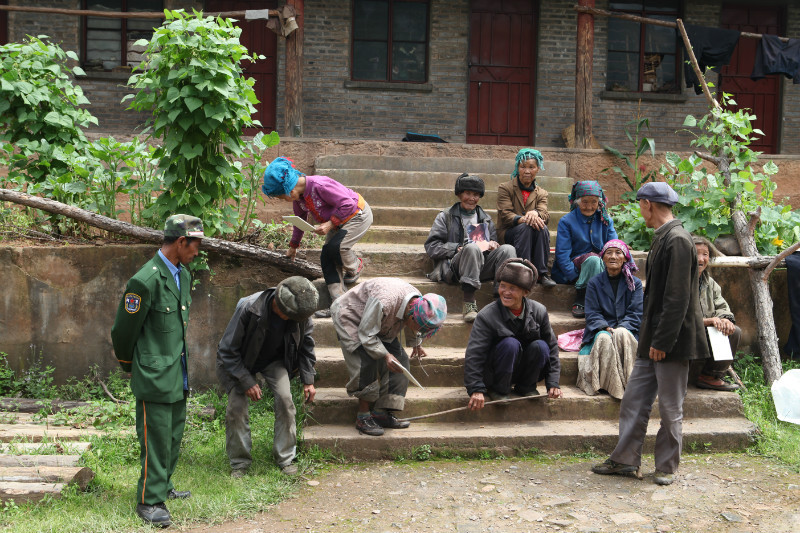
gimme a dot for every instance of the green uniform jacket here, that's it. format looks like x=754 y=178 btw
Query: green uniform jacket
x=150 y=330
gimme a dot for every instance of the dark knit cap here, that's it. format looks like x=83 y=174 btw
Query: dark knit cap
x=465 y=182
x=519 y=272
x=297 y=298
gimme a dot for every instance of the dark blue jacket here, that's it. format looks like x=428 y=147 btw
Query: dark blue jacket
x=576 y=237
x=604 y=310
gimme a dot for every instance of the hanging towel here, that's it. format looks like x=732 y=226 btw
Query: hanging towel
x=792 y=346
x=777 y=57
x=712 y=47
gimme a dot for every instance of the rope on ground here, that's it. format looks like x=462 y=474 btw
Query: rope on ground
x=494 y=402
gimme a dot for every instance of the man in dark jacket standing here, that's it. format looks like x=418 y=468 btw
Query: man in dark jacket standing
x=149 y=337
x=270 y=334
x=463 y=243
x=511 y=342
x=671 y=335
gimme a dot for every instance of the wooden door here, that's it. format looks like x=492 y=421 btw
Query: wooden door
x=502 y=61
x=259 y=41
x=763 y=97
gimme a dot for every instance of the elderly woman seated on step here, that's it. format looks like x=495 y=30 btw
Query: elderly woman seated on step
x=522 y=213
x=581 y=235
x=511 y=342
x=613 y=316
x=342 y=214
x=717 y=314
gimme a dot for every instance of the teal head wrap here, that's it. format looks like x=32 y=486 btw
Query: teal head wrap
x=524 y=155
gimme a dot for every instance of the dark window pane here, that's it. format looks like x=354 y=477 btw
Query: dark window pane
x=623 y=35
x=409 y=21
x=146 y=5
x=369 y=61
x=104 y=23
x=662 y=6
x=628 y=6
x=623 y=71
x=408 y=62
x=105 y=5
x=659 y=39
x=371 y=20
x=665 y=81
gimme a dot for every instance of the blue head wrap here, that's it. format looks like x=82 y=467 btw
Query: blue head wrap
x=524 y=155
x=280 y=177
x=590 y=188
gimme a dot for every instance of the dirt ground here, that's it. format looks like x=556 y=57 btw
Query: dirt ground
x=713 y=493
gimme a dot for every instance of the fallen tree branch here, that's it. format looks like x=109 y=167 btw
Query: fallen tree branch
x=298 y=266
x=778 y=258
x=108 y=392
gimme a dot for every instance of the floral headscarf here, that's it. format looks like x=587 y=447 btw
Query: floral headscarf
x=429 y=312
x=524 y=155
x=590 y=188
x=630 y=265
x=280 y=177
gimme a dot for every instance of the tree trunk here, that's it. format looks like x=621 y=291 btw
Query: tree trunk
x=298 y=266
x=584 y=52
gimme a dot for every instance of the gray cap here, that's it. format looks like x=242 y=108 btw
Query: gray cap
x=296 y=298
x=657 y=191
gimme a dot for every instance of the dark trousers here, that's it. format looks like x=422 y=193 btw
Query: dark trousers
x=511 y=363
x=531 y=244
x=160 y=430
x=718 y=369
x=330 y=257
x=371 y=380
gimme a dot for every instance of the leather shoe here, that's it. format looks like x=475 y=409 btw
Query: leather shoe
x=546 y=281
x=368 y=426
x=178 y=494
x=388 y=420
x=710 y=382
x=156 y=515
x=578 y=311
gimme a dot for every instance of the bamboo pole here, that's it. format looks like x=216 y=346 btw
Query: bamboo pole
x=116 y=14
x=495 y=402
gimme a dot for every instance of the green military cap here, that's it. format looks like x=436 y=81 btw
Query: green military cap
x=183 y=226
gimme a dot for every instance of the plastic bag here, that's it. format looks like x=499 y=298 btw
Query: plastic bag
x=786 y=395
x=571 y=340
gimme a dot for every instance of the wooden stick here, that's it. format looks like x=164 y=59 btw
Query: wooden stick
x=711 y=100
x=780 y=257
x=118 y=14
x=732 y=373
x=420 y=417
x=655 y=22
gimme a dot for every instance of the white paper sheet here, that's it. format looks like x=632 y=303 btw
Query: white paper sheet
x=410 y=377
x=298 y=222
x=719 y=344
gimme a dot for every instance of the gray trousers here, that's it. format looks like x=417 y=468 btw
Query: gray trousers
x=668 y=380
x=371 y=380
x=237 y=421
x=355 y=228
x=471 y=266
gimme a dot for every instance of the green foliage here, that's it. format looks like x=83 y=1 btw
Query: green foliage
x=35 y=381
x=191 y=82
x=634 y=131
x=630 y=225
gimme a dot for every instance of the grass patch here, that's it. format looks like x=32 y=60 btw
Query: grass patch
x=776 y=439
x=110 y=502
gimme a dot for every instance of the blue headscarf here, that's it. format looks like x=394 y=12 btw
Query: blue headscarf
x=524 y=155
x=280 y=177
x=590 y=188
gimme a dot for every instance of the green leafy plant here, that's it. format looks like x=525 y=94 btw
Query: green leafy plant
x=253 y=172
x=636 y=174
x=191 y=83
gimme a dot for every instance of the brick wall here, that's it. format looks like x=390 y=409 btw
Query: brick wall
x=790 y=140
x=61 y=29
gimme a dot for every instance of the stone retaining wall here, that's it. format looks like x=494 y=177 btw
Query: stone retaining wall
x=60 y=303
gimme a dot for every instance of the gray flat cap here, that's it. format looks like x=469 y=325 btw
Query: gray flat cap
x=657 y=191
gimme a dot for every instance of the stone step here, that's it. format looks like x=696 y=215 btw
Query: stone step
x=454 y=332
x=386 y=215
x=382 y=195
x=452 y=165
x=515 y=438
x=443 y=367
x=407 y=234
x=334 y=406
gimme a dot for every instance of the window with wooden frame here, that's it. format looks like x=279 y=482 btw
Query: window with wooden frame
x=643 y=57
x=108 y=42
x=390 y=40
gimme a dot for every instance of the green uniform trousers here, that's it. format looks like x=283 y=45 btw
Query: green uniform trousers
x=160 y=430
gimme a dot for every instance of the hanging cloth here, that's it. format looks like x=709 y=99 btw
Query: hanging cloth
x=713 y=47
x=777 y=57
x=792 y=346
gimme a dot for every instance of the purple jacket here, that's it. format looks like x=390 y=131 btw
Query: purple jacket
x=326 y=199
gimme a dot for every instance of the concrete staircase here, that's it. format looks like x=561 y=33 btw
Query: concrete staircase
x=393 y=247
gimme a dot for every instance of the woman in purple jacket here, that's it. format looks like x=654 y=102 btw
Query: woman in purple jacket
x=342 y=215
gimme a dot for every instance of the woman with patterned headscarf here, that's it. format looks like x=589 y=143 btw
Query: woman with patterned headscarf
x=582 y=233
x=522 y=213
x=613 y=315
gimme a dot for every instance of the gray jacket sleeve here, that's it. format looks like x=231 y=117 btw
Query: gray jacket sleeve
x=229 y=351
x=437 y=246
x=478 y=348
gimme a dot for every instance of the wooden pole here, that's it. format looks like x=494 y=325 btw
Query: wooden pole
x=457 y=409
x=294 y=75
x=697 y=72
x=584 y=56
x=118 y=14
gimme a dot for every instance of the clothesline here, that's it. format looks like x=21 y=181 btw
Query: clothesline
x=655 y=22
x=122 y=14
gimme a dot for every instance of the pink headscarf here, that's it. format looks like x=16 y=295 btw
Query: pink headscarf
x=630 y=265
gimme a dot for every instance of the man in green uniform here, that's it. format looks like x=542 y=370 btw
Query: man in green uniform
x=149 y=337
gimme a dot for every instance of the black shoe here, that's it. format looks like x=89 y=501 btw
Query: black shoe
x=495 y=396
x=546 y=281
x=578 y=311
x=612 y=467
x=368 y=426
x=154 y=514
x=388 y=420
x=178 y=494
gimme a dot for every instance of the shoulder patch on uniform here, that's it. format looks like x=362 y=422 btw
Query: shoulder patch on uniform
x=132 y=302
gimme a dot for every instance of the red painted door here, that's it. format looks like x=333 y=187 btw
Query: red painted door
x=502 y=60
x=763 y=97
x=259 y=41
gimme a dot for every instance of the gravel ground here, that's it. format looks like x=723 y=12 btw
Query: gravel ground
x=713 y=493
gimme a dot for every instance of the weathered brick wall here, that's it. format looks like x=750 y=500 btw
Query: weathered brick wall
x=334 y=110
x=61 y=29
x=790 y=125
